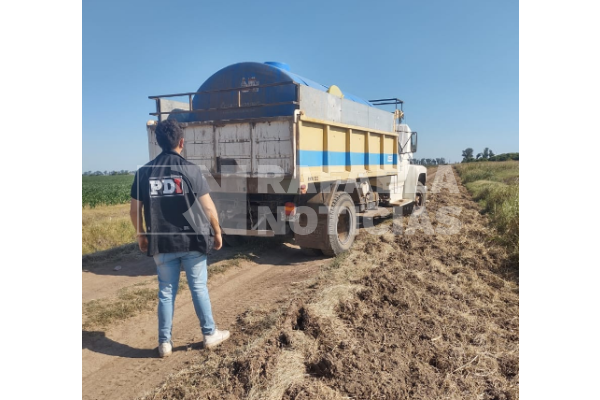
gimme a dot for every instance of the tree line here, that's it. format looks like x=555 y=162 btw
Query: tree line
x=429 y=161
x=487 y=155
x=100 y=173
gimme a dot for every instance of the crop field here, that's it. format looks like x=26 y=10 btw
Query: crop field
x=105 y=190
x=495 y=185
x=105 y=214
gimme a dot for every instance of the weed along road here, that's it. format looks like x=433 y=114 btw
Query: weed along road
x=445 y=309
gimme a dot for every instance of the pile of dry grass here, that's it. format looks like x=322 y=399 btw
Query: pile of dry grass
x=414 y=316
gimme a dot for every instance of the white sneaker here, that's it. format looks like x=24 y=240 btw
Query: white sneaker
x=215 y=339
x=165 y=349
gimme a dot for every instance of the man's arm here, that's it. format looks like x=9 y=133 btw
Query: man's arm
x=135 y=213
x=211 y=212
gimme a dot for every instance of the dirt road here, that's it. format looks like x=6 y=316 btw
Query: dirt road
x=121 y=363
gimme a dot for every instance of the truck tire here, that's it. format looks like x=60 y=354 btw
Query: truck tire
x=341 y=225
x=420 y=199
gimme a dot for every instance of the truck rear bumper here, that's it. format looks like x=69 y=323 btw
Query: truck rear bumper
x=248 y=232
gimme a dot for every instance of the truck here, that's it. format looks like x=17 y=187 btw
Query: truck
x=287 y=156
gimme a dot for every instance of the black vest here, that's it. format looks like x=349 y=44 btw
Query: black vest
x=169 y=187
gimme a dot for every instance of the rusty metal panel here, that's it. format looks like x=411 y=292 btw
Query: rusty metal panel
x=199 y=146
x=273 y=148
x=234 y=143
x=247 y=148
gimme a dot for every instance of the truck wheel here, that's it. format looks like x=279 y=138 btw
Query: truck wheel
x=420 y=199
x=341 y=225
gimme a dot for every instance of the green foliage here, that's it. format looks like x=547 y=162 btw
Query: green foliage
x=496 y=187
x=105 y=190
x=505 y=157
x=467 y=155
x=487 y=155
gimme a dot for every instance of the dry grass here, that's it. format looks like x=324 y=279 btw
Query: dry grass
x=128 y=303
x=495 y=185
x=106 y=227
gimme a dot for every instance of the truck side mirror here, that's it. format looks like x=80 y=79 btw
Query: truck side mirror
x=413 y=142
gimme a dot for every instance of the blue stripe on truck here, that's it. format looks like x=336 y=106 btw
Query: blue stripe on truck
x=317 y=158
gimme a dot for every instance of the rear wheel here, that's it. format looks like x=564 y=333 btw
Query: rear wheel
x=341 y=225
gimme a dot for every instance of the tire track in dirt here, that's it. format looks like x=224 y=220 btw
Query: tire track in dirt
x=121 y=363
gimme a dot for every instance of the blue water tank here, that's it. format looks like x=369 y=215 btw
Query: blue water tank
x=279 y=65
x=272 y=101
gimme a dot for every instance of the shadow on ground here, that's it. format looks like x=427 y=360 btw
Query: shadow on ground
x=133 y=263
x=97 y=341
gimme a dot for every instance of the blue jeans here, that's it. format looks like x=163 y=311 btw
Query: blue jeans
x=168 y=268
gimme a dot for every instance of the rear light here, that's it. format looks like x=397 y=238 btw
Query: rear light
x=290 y=209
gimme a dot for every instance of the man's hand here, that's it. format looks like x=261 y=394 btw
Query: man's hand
x=218 y=241
x=136 y=212
x=143 y=243
x=211 y=212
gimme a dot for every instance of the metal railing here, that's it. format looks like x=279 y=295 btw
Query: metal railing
x=239 y=90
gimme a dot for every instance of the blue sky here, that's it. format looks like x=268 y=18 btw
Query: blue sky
x=454 y=63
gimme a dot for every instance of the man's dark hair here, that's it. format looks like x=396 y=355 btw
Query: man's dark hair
x=168 y=134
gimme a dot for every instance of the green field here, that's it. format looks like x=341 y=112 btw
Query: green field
x=495 y=185
x=105 y=190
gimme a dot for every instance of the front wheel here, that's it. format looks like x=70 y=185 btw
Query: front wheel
x=341 y=225
x=420 y=199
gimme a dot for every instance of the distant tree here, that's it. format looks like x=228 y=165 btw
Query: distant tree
x=443 y=161
x=423 y=161
x=491 y=154
x=98 y=173
x=467 y=155
x=486 y=153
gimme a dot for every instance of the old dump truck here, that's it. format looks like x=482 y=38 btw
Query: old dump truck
x=284 y=155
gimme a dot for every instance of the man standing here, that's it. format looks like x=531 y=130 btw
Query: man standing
x=181 y=228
